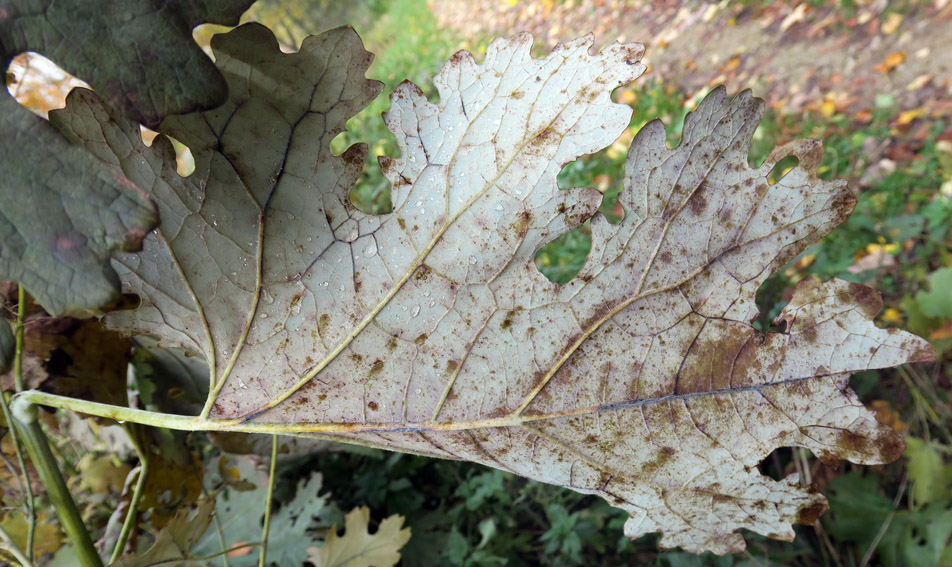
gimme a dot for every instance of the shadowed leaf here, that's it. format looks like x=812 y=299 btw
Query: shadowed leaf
x=63 y=212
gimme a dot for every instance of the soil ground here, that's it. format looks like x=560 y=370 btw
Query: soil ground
x=796 y=55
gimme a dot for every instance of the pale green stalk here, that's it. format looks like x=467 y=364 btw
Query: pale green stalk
x=268 y=501
x=18 y=385
x=24 y=416
x=133 y=511
x=12 y=548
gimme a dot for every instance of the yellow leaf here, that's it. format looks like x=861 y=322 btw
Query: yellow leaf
x=102 y=475
x=891 y=62
x=892 y=315
x=908 y=116
x=886 y=415
x=46 y=539
x=357 y=548
x=892 y=23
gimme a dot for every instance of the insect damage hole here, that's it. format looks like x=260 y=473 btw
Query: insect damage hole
x=781 y=168
x=561 y=259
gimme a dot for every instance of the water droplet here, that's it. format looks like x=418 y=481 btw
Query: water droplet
x=422 y=211
x=296 y=309
x=449 y=128
x=263 y=315
x=472 y=260
x=415 y=312
x=426 y=293
x=418 y=391
x=412 y=159
x=431 y=303
x=418 y=203
x=266 y=297
x=499 y=207
x=341 y=287
x=371 y=249
x=309 y=239
x=234 y=274
x=324 y=284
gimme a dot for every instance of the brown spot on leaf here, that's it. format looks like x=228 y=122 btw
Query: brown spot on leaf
x=372 y=405
x=811 y=513
x=451 y=366
x=375 y=369
x=868 y=299
x=698 y=202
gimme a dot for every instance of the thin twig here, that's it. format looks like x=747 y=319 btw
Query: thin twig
x=21 y=462
x=136 y=494
x=886 y=522
x=267 y=507
x=223 y=553
x=218 y=527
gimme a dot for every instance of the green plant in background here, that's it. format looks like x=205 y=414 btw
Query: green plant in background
x=465 y=515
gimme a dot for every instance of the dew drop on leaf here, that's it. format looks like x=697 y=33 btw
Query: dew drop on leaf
x=371 y=249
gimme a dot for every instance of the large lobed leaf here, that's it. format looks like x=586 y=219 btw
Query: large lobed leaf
x=62 y=213
x=430 y=329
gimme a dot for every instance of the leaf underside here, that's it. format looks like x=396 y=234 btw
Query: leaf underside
x=430 y=330
x=63 y=213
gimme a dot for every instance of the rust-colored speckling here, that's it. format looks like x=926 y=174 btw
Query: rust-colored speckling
x=642 y=381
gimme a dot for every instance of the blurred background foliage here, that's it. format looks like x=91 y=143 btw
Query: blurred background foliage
x=873 y=88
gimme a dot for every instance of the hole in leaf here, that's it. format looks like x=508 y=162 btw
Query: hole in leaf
x=561 y=259
x=778 y=464
x=39 y=84
x=772 y=296
x=184 y=161
x=782 y=168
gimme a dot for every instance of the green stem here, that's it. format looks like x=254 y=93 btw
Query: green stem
x=268 y=501
x=133 y=511
x=18 y=361
x=25 y=482
x=18 y=385
x=24 y=416
x=14 y=550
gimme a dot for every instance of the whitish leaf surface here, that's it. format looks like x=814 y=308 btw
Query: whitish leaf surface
x=358 y=547
x=430 y=329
